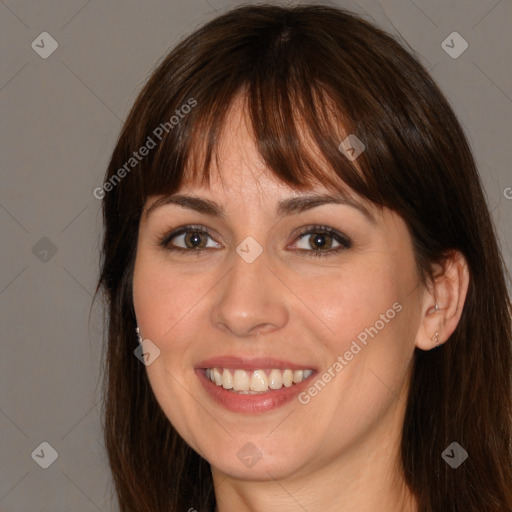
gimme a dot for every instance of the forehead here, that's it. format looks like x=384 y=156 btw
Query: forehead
x=238 y=167
x=237 y=187
x=238 y=177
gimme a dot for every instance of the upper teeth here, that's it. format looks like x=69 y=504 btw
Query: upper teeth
x=256 y=381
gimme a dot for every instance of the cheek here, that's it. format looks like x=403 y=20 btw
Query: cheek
x=353 y=300
x=369 y=310
x=369 y=347
x=161 y=297
x=163 y=301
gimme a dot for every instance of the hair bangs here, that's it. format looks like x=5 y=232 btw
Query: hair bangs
x=300 y=126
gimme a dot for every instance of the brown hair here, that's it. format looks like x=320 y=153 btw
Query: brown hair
x=317 y=71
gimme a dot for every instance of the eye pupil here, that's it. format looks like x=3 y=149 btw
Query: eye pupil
x=319 y=240
x=194 y=240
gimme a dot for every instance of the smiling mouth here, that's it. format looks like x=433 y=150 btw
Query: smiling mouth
x=257 y=381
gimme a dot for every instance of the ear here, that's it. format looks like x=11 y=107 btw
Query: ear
x=448 y=291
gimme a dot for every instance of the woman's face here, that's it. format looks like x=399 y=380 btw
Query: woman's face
x=339 y=311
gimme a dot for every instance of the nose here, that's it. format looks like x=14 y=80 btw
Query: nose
x=250 y=299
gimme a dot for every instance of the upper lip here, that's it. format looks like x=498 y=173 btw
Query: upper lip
x=250 y=363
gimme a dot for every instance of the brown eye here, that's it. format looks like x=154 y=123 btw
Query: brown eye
x=319 y=240
x=195 y=239
x=188 y=239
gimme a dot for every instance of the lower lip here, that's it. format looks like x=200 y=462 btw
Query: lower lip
x=251 y=404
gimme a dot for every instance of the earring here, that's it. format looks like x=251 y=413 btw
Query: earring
x=433 y=309
x=435 y=338
x=139 y=337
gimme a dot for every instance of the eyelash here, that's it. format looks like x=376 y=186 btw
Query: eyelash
x=343 y=240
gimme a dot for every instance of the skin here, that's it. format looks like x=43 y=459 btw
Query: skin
x=338 y=452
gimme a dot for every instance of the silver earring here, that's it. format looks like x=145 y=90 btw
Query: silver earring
x=435 y=338
x=139 y=337
x=433 y=309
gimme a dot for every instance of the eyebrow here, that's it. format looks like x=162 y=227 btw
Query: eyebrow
x=290 y=206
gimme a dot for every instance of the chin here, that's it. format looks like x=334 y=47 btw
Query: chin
x=258 y=460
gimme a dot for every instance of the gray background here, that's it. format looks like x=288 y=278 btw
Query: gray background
x=60 y=119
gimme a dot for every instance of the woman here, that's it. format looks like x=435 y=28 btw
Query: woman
x=307 y=305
